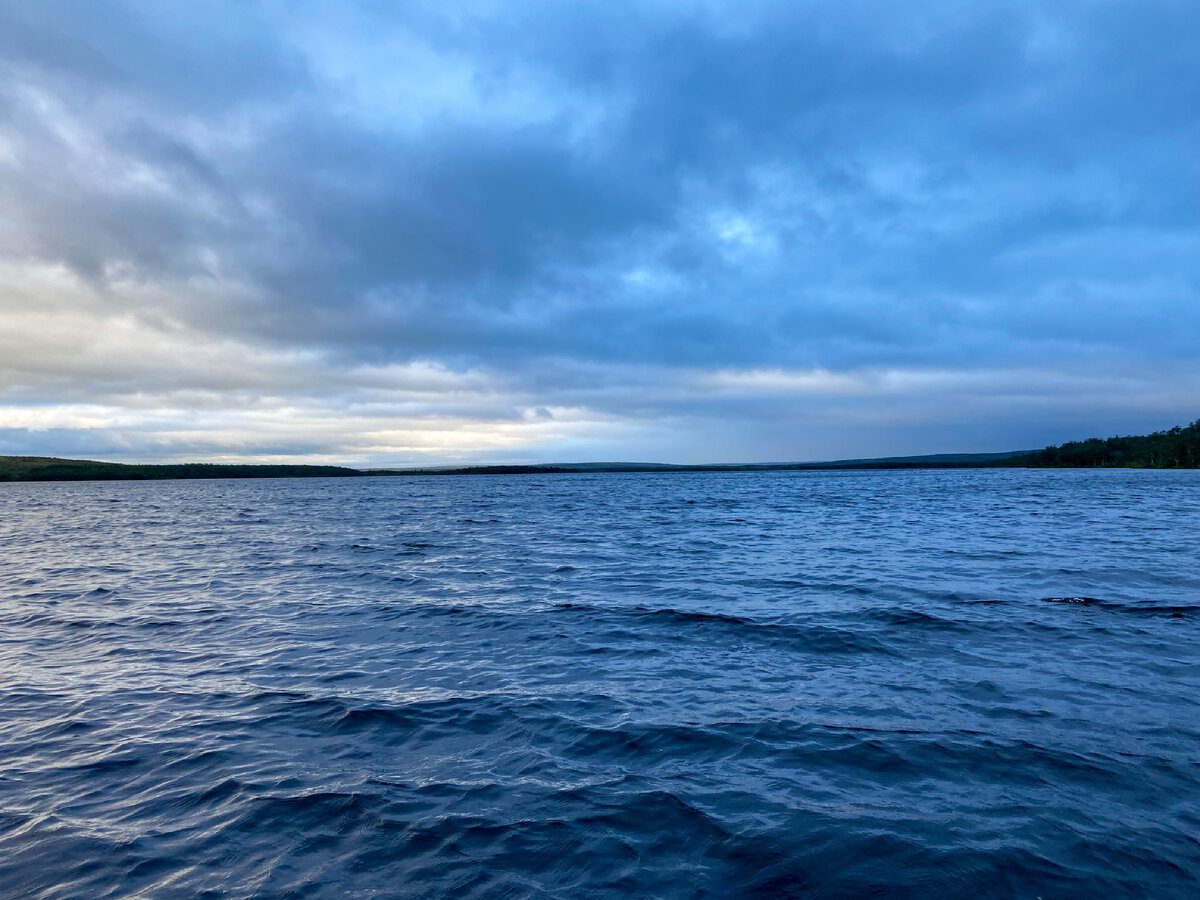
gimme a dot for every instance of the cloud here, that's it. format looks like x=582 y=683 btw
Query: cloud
x=661 y=217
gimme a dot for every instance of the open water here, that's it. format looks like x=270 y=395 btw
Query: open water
x=980 y=683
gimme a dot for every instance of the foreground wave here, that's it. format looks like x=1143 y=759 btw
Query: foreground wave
x=908 y=684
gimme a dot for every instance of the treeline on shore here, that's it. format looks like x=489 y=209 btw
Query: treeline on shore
x=44 y=468
x=1175 y=448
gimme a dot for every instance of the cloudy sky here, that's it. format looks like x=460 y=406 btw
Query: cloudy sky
x=385 y=233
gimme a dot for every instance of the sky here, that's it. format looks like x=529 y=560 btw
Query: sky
x=412 y=233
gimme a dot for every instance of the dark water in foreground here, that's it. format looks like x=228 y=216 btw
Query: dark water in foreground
x=691 y=685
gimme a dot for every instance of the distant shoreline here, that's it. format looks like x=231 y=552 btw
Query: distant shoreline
x=35 y=468
x=937 y=461
x=47 y=468
x=1175 y=448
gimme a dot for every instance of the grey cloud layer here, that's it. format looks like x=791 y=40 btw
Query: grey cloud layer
x=531 y=190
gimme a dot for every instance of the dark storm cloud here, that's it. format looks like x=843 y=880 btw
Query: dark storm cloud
x=518 y=188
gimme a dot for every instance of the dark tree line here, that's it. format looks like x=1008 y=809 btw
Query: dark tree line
x=26 y=468
x=1175 y=448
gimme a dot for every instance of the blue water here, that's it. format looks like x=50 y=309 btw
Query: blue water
x=821 y=684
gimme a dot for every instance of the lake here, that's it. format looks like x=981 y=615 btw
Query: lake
x=964 y=683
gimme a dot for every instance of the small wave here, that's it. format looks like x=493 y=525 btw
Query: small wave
x=667 y=743
x=1178 y=610
x=105 y=765
x=815 y=638
x=321 y=810
x=912 y=618
x=688 y=617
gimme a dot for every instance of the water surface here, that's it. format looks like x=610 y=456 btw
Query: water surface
x=814 y=684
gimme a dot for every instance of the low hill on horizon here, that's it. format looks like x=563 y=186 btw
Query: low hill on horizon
x=51 y=468
x=930 y=461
